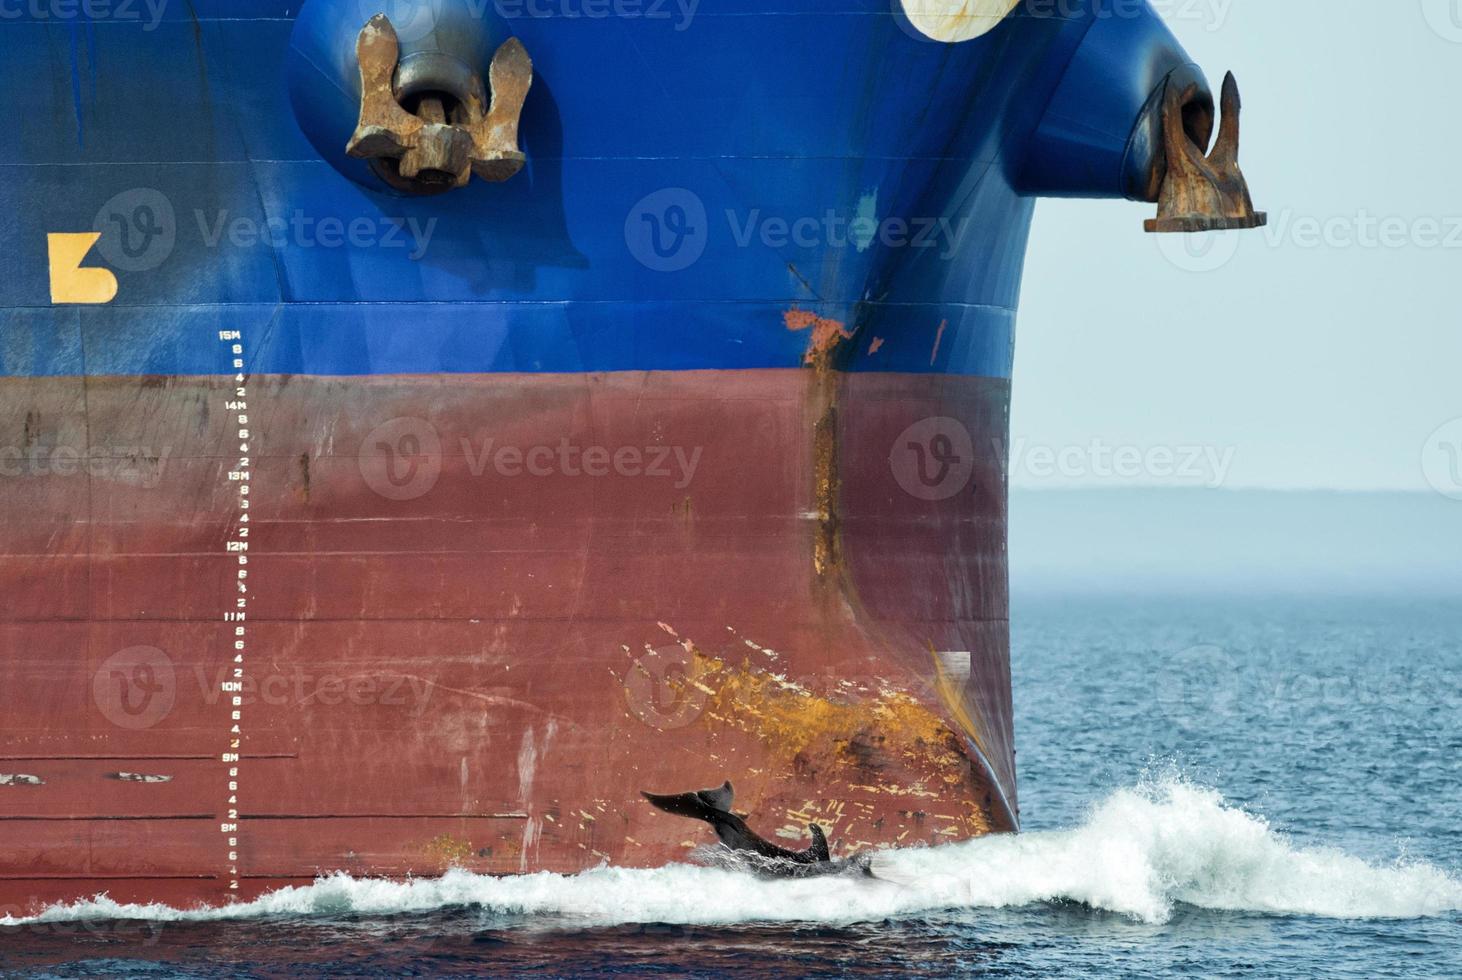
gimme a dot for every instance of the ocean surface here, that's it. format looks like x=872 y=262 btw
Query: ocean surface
x=1219 y=788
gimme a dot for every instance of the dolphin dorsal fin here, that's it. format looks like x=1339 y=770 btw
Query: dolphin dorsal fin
x=819 y=850
x=719 y=799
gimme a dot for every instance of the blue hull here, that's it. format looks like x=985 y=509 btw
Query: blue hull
x=687 y=183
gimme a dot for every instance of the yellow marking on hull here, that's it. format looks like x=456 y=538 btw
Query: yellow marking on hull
x=70 y=282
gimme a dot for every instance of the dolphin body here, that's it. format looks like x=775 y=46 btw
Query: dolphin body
x=713 y=806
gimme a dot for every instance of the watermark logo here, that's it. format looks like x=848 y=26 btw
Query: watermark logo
x=301 y=688
x=148 y=13
x=412 y=19
x=830 y=229
x=137 y=466
x=950 y=21
x=933 y=460
x=103 y=932
x=675 y=463
x=402 y=459
x=1441 y=460
x=1211 y=15
x=1210 y=688
x=139 y=229
x=662 y=689
x=668 y=231
x=682 y=12
x=953 y=21
x=305 y=231
x=1445 y=18
x=1098 y=462
x=1199 y=253
x=1197 y=687
x=1363 y=230
x=903 y=15
x=135 y=688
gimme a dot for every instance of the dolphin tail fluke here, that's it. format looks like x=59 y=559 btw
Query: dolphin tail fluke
x=703 y=805
x=720 y=798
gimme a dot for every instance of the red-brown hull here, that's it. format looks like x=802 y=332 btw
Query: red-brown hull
x=459 y=660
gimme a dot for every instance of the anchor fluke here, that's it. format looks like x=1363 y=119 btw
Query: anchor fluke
x=440 y=138
x=1203 y=193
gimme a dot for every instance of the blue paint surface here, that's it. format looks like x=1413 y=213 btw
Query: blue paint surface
x=689 y=182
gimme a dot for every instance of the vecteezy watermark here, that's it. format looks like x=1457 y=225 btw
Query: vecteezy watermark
x=679 y=12
x=403 y=460
x=300 y=688
x=1286 y=229
x=148 y=13
x=137 y=466
x=1445 y=18
x=414 y=20
x=1207 y=252
x=1209 y=686
x=934 y=459
x=673 y=463
x=669 y=230
x=1211 y=14
x=135 y=688
x=1441 y=460
x=1196 y=686
x=860 y=232
x=1206 y=466
x=143 y=932
x=949 y=21
x=139 y=687
x=662 y=688
x=140 y=228
x=304 y=231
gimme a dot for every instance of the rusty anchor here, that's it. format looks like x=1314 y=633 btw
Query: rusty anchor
x=446 y=140
x=1203 y=193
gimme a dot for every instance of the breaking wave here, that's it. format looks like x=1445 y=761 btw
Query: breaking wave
x=1141 y=852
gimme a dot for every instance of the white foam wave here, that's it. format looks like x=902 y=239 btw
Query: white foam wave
x=1140 y=852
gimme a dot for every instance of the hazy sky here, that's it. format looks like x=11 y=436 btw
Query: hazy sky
x=1322 y=352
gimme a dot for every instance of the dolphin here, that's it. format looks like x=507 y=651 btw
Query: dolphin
x=713 y=806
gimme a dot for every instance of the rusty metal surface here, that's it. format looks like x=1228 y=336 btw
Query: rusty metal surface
x=1203 y=193
x=439 y=146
